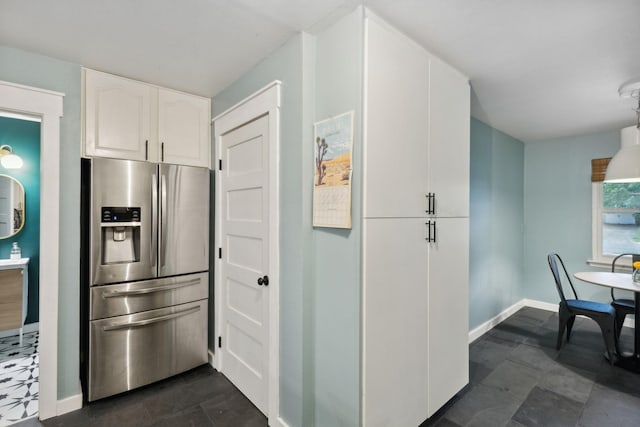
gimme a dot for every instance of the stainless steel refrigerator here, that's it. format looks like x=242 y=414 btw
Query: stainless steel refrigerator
x=144 y=268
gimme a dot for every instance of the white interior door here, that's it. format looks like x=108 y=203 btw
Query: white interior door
x=244 y=290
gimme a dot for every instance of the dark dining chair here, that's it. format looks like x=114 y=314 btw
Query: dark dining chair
x=603 y=314
x=623 y=306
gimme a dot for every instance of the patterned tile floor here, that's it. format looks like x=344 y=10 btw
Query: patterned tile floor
x=18 y=378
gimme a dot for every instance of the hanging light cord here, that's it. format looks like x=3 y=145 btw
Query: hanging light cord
x=637 y=110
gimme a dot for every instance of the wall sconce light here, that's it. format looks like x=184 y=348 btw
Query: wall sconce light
x=8 y=159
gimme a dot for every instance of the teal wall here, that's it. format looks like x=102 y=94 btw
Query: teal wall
x=557 y=218
x=29 y=69
x=496 y=262
x=286 y=65
x=24 y=138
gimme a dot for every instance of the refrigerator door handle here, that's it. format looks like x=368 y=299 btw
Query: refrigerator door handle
x=140 y=323
x=144 y=291
x=163 y=219
x=154 y=220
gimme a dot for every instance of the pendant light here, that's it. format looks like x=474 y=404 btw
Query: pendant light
x=625 y=165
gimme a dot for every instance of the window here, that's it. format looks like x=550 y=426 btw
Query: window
x=616 y=220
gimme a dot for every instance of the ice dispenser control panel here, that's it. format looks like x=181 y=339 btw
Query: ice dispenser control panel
x=118 y=214
x=120 y=230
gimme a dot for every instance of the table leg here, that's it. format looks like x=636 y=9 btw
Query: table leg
x=632 y=362
x=636 y=324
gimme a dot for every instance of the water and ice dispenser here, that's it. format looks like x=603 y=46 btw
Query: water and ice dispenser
x=120 y=234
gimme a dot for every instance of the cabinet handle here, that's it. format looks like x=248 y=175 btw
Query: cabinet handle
x=431 y=203
x=431 y=238
x=146 y=149
x=162 y=151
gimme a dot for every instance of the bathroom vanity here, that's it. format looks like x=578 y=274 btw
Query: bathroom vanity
x=13 y=293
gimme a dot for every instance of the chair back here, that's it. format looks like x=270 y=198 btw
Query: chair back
x=634 y=258
x=560 y=279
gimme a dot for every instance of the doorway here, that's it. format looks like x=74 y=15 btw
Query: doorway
x=47 y=105
x=247 y=240
x=19 y=240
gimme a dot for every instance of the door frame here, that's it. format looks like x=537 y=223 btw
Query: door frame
x=264 y=101
x=47 y=105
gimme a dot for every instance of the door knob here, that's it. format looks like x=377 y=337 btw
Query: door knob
x=263 y=281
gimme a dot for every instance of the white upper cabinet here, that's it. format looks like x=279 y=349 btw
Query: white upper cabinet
x=417 y=130
x=397 y=124
x=118 y=117
x=127 y=119
x=183 y=128
x=449 y=129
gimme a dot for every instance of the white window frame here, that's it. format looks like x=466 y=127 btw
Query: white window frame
x=597 y=258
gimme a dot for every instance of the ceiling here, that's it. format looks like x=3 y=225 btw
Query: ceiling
x=539 y=69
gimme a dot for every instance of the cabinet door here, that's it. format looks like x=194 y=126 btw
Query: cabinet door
x=397 y=119
x=449 y=140
x=11 y=299
x=395 y=301
x=184 y=128
x=118 y=117
x=448 y=311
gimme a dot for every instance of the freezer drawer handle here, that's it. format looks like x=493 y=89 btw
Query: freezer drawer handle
x=114 y=294
x=140 y=323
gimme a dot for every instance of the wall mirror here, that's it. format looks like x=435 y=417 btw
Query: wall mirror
x=11 y=206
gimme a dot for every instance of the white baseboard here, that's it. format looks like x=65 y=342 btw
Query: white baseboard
x=477 y=332
x=69 y=404
x=628 y=321
x=31 y=327
x=540 y=304
x=489 y=324
x=212 y=359
x=280 y=423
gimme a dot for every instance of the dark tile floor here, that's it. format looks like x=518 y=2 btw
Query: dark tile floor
x=517 y=378
x=200 y=397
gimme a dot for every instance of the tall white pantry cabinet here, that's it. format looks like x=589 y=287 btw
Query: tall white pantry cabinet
x=415 y=230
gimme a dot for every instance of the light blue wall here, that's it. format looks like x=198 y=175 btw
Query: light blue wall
x=557 y=176
x=24 y=138
x=496 y=260
x=25 y=68
x=337 y=253
x=286 y=65
x=320 y=268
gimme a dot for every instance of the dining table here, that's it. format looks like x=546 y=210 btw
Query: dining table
x=623 y=281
